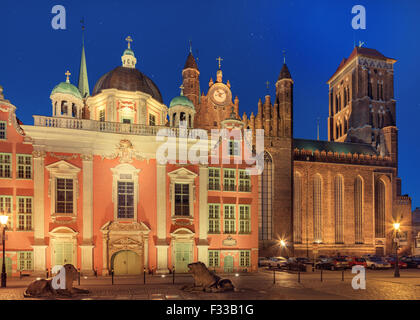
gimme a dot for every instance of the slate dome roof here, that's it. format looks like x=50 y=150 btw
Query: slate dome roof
x=128 y=79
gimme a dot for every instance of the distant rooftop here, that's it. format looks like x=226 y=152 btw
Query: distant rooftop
x=340 y=147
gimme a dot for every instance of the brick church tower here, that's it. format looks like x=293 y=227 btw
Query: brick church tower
x=191 y=80
x=361 y=102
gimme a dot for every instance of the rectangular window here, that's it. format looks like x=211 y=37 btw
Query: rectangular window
x=25 y=259
x=244 y=181
x=233 y=148
x=229 y=218
x=245 y=258
x=24 y=213
x=229 y=179
x=64 y=195
x=244 y=219
x=5 y=165
x=214 y=258
x=152 y=120
x=214 y=218
x=102 y=115
x=125 y=200
x=6 y=206
x=214 y=179
x=182 y=199
x=3 y=126
x=24 y=166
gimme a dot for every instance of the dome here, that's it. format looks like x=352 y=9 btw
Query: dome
x=181 y=101
x=129 y=52
x=128 y=79
x=67 y=88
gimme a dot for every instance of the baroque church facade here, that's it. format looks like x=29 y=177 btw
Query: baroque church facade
x=83 y=186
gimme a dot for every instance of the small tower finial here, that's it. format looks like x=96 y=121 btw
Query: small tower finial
x=182 y=89
x=267 y=83
x=284 y=56
x=129 y=39
x=220 y=62
x=68 y=76
x=190 y=43
x=317 y=128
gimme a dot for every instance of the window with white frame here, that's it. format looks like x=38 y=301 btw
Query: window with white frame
x=24 y=214
x=3 y=127
x=244 y=181
x=214 y=178
x=244 y=219
x=245 y=258
x=229 y=180
x=233 y=148
x=182 y=199
x=6 y=207
x=229 y=218
x=214 y=218
x=5 y=165
x=214 y=258
x=24 y=166
x=25 y=260
x=125 y=200
x=64 y=195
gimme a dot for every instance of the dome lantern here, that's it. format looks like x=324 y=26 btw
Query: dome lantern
x=181 y=109
x=128 y=58
x=66 y=99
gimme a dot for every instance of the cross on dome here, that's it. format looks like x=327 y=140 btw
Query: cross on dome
x=68 y=76
x=220 y=60
x=129 y=40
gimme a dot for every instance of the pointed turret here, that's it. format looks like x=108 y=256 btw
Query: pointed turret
x=191 y=79
x=284 y=73
x=83 y=83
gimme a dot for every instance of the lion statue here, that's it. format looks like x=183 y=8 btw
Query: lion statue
x=206 y=280
x=44 y=287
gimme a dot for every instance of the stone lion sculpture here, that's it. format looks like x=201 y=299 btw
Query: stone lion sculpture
x=206 y=280
x=44 y=287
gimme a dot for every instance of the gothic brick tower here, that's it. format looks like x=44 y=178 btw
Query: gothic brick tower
x=361 y=101
x=191 y=80
x=276 y=183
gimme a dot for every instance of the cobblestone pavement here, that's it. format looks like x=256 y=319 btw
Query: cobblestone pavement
x=380 y=284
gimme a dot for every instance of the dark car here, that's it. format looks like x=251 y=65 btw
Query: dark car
x=401 y=264
x=412 y=262
x=332 y=263
x=297 y=264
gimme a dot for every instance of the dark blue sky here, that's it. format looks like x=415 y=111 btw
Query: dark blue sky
x=248 y=35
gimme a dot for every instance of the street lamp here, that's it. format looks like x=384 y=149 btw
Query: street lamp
x=282 y=245
x=397 y=267
x=3 y=221
x=315 y=253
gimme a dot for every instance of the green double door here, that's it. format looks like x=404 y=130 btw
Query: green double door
x=228 y=264
x=63 y=252
x=183 y=257
x=127 y=263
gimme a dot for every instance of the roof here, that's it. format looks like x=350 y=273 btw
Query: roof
x=284 y=73
x=340 y=147
x=128 y=79
x=190 y=63
x=181 y=101
x=361 y=51
x=129 y=52
x=66 y=88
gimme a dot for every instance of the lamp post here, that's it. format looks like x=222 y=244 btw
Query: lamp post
x=3 y=221
x=397 y=267
x=316 y=253
x=282 y=245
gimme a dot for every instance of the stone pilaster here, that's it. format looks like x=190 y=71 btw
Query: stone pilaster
x=87 y=232
x=203 y=245
x=161 y=243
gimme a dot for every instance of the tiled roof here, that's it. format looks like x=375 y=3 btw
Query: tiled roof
x=340 y=147
x=190 y=63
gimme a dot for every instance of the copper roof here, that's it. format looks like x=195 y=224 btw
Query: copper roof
x=128 y=79
x=190 y=63
x=361 y=51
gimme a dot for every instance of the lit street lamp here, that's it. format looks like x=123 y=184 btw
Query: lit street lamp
x=3 y=221
x=397 y=267
x=282 y=245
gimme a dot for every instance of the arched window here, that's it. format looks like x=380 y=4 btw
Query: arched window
x=297 y=208
x=265 y=186
x=358 y=210
x=338 y=209
x=73 y=110
x=379 y=209
x=317 y=203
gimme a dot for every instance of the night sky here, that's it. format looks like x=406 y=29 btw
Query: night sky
x=249 y=35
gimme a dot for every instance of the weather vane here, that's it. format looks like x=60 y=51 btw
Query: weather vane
x=220 y=60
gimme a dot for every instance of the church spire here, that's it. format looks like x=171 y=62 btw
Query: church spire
x=83 y=84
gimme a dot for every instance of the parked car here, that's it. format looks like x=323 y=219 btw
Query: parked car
x=412 y=262
x=374 y=262
x=401 y=264
x=332 y=263
x=297 y=264
x=277 y=262
x=263 y=261
x=356 y=261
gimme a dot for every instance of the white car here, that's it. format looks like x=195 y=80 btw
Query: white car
x=264 y=261
x=377 y=263
x=277 y=262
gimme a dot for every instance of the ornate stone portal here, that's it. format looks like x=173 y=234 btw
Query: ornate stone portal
x=120 y=236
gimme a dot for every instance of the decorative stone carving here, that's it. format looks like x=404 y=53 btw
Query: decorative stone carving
x=39 y=154
x=229 y=241
x=125 y=151
x=86 y=157
x=63 y=157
